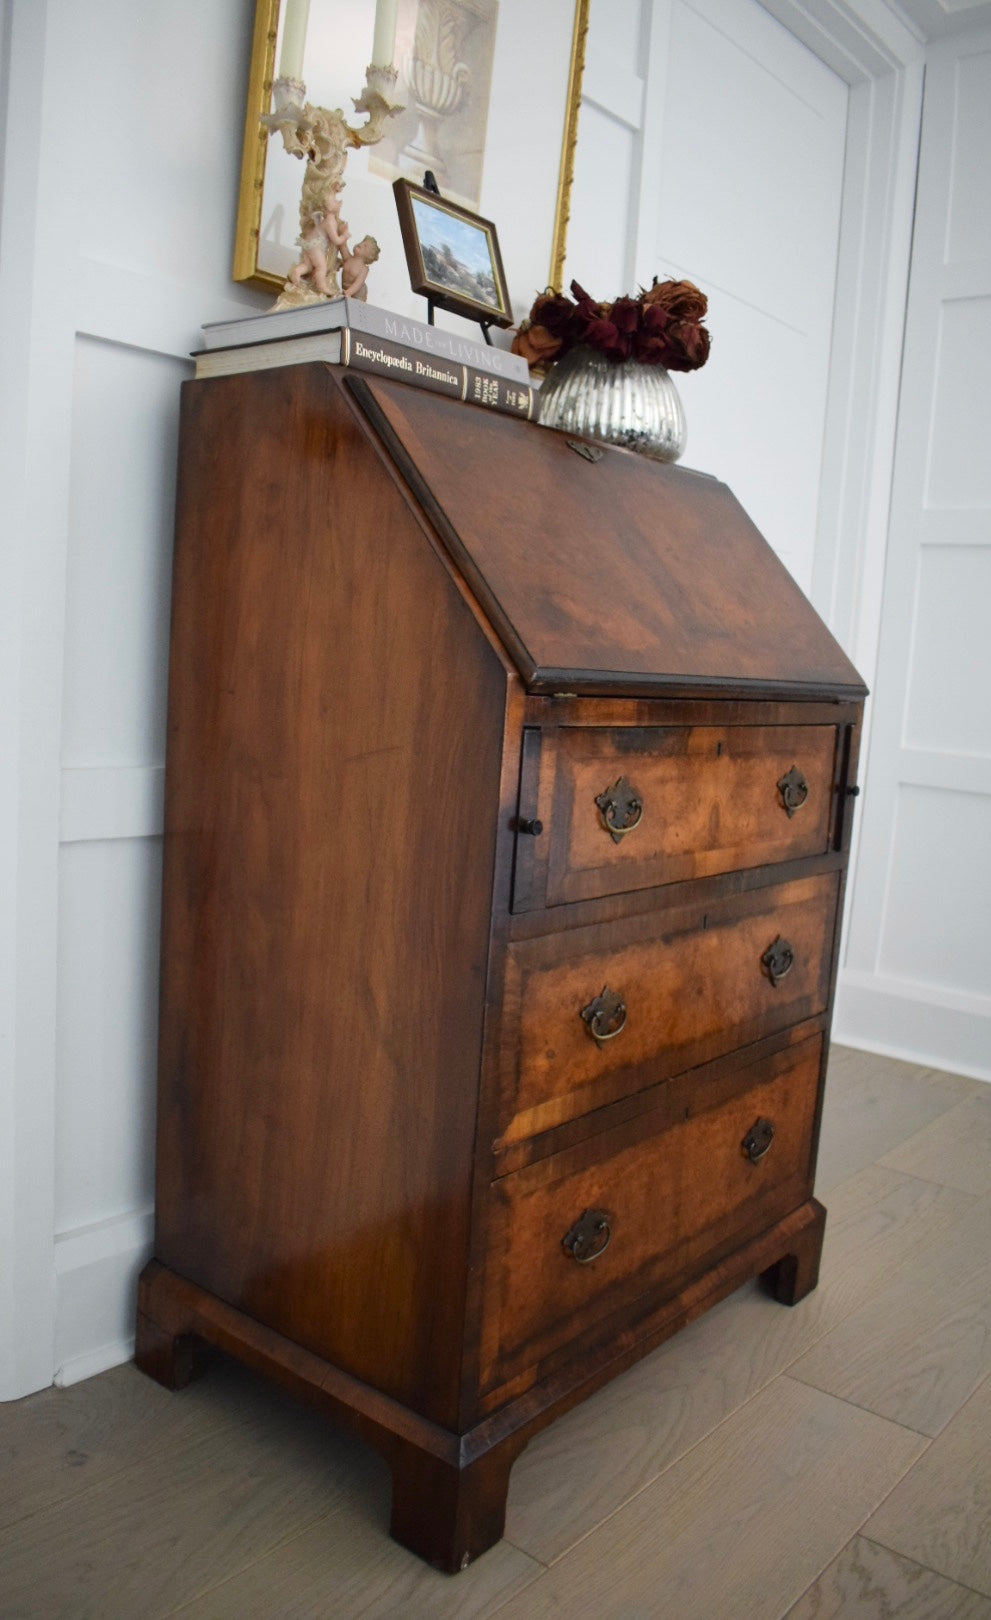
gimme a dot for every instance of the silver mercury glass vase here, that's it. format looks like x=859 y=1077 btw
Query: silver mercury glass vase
x=622 y=401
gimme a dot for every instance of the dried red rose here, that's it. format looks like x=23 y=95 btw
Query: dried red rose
x=655 y=319
x=682 y=299
x=625 y=314
x=603 y=335
x=690 y=346
x=536 y=344
x=553 y=311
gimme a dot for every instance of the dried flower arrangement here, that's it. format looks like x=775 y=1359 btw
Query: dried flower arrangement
x=662 y=327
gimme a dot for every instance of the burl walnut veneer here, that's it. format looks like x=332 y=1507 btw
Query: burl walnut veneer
x=507 y=814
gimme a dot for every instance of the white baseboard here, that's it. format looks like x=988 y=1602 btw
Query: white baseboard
x=920 y=1023
x=96 y=1279
x=91 y=1362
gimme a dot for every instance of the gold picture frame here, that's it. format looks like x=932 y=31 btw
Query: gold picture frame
x=532 y=276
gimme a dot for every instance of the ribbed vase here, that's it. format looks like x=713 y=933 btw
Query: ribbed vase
x=624 y=402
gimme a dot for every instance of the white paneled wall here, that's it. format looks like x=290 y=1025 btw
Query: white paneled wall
x=121 y=153
x=125 y=415
x=152 y=249
x=918 y=974
x=749 y=203
x=724 y=139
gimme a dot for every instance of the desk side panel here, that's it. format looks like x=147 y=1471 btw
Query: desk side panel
x=335 y=733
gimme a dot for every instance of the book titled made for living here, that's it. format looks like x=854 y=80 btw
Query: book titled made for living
x=381 y=357
x=337 y=314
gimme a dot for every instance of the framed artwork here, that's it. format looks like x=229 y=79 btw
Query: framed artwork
x=452 y=256
x=489 y=96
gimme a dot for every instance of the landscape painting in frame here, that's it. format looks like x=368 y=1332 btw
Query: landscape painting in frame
x=453 y=256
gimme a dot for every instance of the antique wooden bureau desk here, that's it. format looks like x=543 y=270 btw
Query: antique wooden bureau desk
x=508 y=806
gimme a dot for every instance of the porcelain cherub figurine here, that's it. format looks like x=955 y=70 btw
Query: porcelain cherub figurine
x=355 y=265
x=322 y=241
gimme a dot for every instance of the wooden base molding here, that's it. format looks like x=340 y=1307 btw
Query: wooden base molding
x=448 y=1490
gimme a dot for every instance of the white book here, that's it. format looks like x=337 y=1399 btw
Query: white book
x=333 y=314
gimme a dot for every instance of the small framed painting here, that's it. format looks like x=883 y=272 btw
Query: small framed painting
x=453 y=256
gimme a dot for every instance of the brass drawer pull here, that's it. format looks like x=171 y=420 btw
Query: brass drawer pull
x=794 y=790
x=605 y=1017
x=778 y=960
x=622 y=809
x=590 y=1236
x=758 y=1139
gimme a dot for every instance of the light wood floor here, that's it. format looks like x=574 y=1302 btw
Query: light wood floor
x=833 y=1459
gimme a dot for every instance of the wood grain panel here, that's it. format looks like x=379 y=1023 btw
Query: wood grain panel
x=710 y=803
x=692 y=598
x=693 y=985
x=324 y=971
x=674 y=1197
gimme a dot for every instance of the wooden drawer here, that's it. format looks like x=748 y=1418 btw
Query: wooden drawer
x=694 y=984
x=628 y=808
x=666 y=1199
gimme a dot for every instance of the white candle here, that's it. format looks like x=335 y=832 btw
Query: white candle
x=384 y=42
x=297 y=14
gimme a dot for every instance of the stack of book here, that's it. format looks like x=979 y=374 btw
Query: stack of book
x=344 y=332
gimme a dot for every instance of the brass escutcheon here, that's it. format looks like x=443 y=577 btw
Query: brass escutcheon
x=590 y=1236
x=778 y=960
x=794 y=790
x=758 y=1139
x=605 y=1017
x=621 y=807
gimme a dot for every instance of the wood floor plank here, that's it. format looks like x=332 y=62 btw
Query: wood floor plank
x=186 y=1516
x=345 y=1565
x=940 y=1513
x=60 y=1442
x=878 y=1220
x=869 y=1582
x=872 y=1104
x=954 y=1149
x=741 y=1525
x=578 y=1471
x=917 y=1351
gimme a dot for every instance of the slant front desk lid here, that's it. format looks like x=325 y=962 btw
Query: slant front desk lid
x=613 y=575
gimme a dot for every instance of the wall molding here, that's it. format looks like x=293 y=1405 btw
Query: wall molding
x=115 y=801
x=921 y=1023
x=614 y=89
x=147 y=310
x=96 y=1278
x=35 y=412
